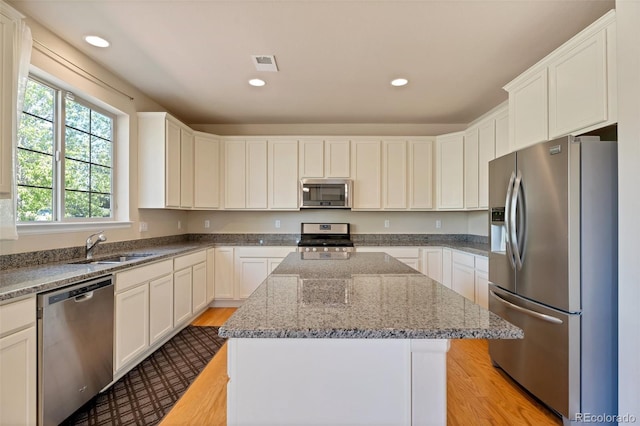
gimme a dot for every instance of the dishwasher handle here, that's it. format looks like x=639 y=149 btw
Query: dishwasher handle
x=80 y=292
x=84 y=297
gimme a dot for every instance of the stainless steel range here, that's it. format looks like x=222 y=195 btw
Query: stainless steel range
x=325 y=241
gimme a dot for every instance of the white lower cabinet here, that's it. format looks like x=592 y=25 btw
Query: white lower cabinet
x=223 y=282
x=482 y=281
x=211 y=276
x=463 y=274
x=240 y=270
x=132 y=324
x=467 y=274
x=18 y=365
x=253 y=265
x=199 y=290
x=432 y=263
x=273 y=262
x=182 y=283
x=160 y=308
x=143 y=310
x=189 y=285
x=250 y=272
x=446 y=267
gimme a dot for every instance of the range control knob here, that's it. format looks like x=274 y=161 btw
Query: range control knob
x=306 y=249
x=337 y=248
x=344 y=249
x=326 y=249
x=315 y=249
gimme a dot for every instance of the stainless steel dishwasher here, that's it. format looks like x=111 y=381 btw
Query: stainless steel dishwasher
x=75 y=347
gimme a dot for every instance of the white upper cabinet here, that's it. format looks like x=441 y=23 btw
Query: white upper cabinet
x=235 y=174
x=311 y=158
x=260 y=174
x=256 y=170
x=283 y=175
x=421 y=174
x=320 y=158
x=450 y=171
x=367 y=174
x=394 y=174
x=528 y=111
x=471 y=168
x=9 y=19
x=502 y=133
x=479 y=148
x=245 y=174
x=337 y=160
x=161 y=163
x=186 y=168
x=578 y=87
x=571 y=91
x=486 y=153
x=206 y=160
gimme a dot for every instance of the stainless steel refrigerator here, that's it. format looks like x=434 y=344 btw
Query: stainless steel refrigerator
x=553 y=272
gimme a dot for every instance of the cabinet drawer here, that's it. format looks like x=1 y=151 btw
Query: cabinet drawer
x=463 y=258
x=189 y=260
x=130 y=278
x=482 y=264
x=17 y=315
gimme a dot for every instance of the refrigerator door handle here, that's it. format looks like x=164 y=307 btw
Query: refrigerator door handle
x=507 y=222
x=543 y=317
x=516 y=201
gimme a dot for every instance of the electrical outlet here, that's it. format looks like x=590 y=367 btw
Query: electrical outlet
x=179 y=224
x=143 y=227
x=207 y=223
x=277 y=224
x=438 y=224
x=386 y=223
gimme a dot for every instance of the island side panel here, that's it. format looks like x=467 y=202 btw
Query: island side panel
x=320 y=381
x=429 y=381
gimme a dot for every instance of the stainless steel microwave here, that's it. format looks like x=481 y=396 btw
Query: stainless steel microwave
x=325 y=193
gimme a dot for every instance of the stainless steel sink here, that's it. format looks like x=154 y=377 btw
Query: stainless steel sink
x=121 y=258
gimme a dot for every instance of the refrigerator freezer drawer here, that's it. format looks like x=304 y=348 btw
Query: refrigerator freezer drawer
x=546 y=361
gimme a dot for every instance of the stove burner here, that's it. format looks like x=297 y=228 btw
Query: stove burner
x=325 y=237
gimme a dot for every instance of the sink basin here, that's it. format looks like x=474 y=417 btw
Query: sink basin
x=121 y=258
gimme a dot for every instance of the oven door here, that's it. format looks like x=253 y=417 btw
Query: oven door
x=325 y=193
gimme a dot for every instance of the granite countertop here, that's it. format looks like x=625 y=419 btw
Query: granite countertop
x=40 y=278
x=368 y=296
x=34 y=272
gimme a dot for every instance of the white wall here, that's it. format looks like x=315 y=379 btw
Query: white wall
x=71 y=73
x=628 y=22
x=361 y=222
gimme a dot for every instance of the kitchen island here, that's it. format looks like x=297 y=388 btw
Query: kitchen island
x=360 y=340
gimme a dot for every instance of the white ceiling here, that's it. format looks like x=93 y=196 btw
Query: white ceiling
x=336 y=58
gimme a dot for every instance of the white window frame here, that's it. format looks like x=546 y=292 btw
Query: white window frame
x=119 y=217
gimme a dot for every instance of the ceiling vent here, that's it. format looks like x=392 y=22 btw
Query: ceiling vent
x=265 y=62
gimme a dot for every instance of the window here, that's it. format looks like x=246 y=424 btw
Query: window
x=65 y=157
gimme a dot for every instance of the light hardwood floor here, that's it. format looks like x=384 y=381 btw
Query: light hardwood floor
x=477 y=393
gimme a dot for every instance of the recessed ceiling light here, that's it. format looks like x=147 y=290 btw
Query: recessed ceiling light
x=96 y=41
x=399 y=82
x=257 y=82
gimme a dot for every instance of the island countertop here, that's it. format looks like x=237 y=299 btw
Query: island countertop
x=366 y=296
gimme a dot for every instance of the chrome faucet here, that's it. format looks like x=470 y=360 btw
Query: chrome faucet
x=91 y=244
